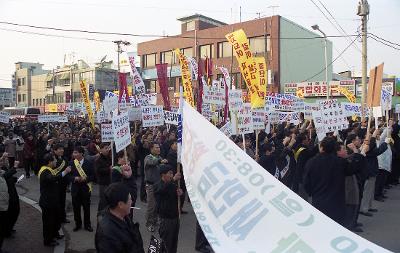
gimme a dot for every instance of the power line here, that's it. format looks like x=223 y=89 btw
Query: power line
x=53 y=35
x=153 y=35
x=332 y=61
x=384 y=43
x=396 y=44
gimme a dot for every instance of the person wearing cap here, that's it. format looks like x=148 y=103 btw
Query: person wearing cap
x=166 y=192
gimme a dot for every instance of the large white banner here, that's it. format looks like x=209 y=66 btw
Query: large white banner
x=242 y=208
x=121 y=131
x=152 y=116
x=4 y=117
x=52 y=118
x=136 y=78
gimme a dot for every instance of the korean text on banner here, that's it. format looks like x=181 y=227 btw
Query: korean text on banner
x=97 y=100
x=107 y=134
x=386 y=100
x=353 y=109
x=121 y=131
x=333 y=115
x=375 y=86
x=110 y=103
x=52 y=118
x=186 y=77
x=214 y=96
x=171 y=118
x=85 y=97
x=309 y=108
x=137 y=79
x=152 y=116
x=163 y=82
x=238 y=203
x=242 y=122
x=235 y=100
x=262 y=70
x=5 y=117
x=248 y=68
x=194 y=68
x=258 y=118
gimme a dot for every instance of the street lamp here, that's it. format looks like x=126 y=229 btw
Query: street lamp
x=316 y=28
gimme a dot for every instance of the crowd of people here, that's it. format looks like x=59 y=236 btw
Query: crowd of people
x=341 y=175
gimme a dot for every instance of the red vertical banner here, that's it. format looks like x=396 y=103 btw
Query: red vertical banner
x=123 y=87
x=200 y=88
x=162 y=70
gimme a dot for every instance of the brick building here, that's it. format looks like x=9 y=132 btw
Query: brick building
x=293 y=53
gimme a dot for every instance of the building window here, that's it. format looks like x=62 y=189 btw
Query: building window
x=190 y=26
x=224 y=50
x=188 y=52
x=19 y=97
x=149 y=60
x=40 y=101
x=23 y=97
x=206 y=51
x=19 y=81
x=257 y=44
x=167 y=57
x=23 y=81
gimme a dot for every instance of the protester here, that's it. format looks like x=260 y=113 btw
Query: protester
x=61 y=165
x=29 y=154
x=49 y=200
x=103 y=166
x=152 y=176
x=116 y=232
x=167 y=193
x=81 y=176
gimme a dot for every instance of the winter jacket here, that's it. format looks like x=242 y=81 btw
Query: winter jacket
x=4 y=196
x=385 y=159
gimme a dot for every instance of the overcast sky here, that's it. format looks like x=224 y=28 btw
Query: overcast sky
x=159 y=17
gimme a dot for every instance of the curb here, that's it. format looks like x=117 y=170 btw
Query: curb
x=57 y=249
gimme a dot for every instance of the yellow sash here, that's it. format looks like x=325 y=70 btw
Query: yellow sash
x=97 y=147
x=62 y=165
x=297 y=153
x=43 y=168
x=82 y=173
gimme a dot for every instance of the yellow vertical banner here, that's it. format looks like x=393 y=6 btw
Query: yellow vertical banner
x=97 y=100
x=85 y=98
x=263 y=74
x=248 y=66
x=186 y=77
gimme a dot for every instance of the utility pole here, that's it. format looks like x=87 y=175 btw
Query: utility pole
x=363 y=12
x=119 y=51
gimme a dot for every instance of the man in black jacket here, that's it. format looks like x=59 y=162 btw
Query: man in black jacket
x=166 y=193
x=103 y=174
x=81 y=177
x=49 y=200
x=325 y=181
x=115 y=232
x=61 y=165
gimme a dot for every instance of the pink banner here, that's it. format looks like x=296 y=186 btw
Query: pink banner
x=162 y=70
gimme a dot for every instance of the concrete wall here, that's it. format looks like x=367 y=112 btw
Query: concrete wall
x=301 y=58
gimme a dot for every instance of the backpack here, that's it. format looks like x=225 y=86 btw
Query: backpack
x=4 y=196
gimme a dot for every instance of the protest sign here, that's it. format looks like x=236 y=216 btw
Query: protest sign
x=171 y=118
x=135 y=114
x=333 y=115
x=353 y=109
x=121 y=131
x=235 y=100
x=291 y=117
x=206 y=111
x=52 y=118
x=258 y=118
x=110 y=103
x=375 y=86
x=194 y=68
x=101 y=117
x=107 y=134
x=377 y=111
x=5 y=117
x=237 y=202
x=309 y=108
x=152 y=116
x=386 y=100
x=319 y=125
x=283 y=102
x=242 y=122
x=216 y=97
x=227 y=129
